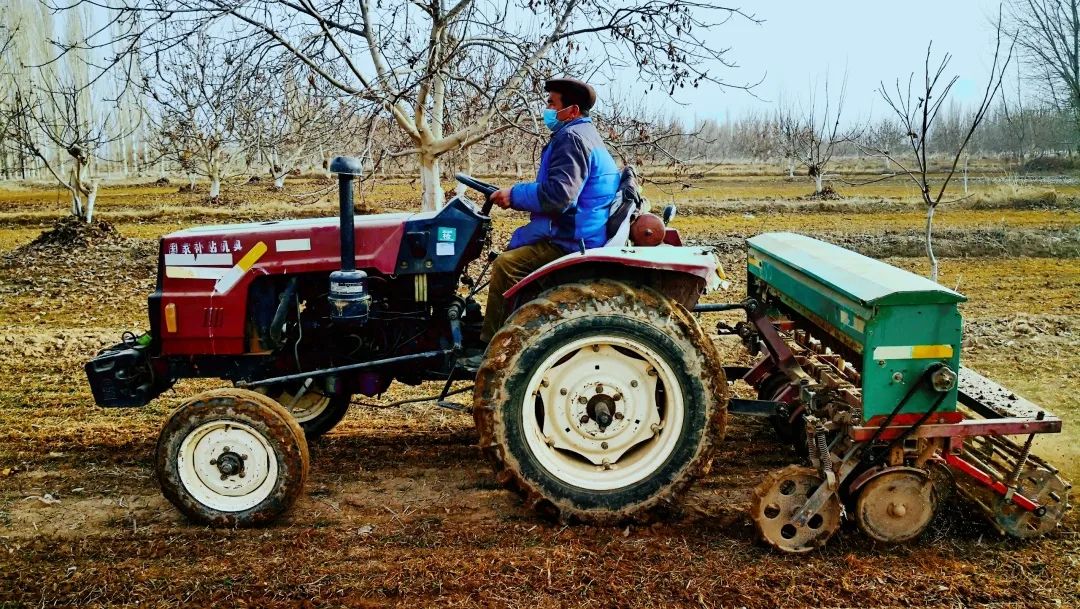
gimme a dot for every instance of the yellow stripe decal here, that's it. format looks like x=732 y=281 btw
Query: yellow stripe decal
x=913 y=352
x=237 y=272
x=931 y=351
x=252 y=256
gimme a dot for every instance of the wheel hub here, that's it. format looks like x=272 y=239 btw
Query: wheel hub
x=601 y=408
x=227 y=466
x=586 y=419
x=601 y=405
x=229 y=463
x=896 y=505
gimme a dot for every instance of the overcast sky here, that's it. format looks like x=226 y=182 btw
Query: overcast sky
x=800 y=41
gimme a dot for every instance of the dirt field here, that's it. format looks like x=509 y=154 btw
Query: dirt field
x=400 y=508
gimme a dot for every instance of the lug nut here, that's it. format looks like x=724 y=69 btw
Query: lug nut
x=582 y=400
x=617 y=397
x=599 y=388
x=633 y=383
x=213 y=461
x=618 y=416
x=563 y=391
x=584 y=419
x=603 y=445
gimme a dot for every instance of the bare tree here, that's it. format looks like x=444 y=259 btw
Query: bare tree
x=917 y=110
x=1048 y=34
x=198 y=88
x=403 y=56
x=7 y=93
x=287 y=121
x=53 y=115
x=812 y=134
x=885 y=135
x=755 y=137
x=1018 y=122
x=790 y=137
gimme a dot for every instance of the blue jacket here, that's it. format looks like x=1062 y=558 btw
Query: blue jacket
x=570 y=200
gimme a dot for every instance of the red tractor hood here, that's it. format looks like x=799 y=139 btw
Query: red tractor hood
x=206 y=271
x=306 y=245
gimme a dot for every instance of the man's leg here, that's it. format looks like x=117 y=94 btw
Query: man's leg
x=509 y=268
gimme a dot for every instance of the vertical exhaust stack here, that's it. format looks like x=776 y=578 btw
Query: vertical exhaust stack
x=349 y=298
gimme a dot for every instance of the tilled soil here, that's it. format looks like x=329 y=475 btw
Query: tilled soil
x=402 y=510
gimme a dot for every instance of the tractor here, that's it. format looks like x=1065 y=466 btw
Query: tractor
x=601 y=398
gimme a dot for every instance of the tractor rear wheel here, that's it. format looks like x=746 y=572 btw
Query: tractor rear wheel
x=316 y=412
x=600 y=402
x=231 y=458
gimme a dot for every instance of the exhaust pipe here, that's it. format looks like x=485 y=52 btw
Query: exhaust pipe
x=349 y=298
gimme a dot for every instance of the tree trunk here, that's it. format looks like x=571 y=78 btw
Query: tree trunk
x=431 y=192
x=930 y=244
x=818 y=182
x=91 y=197
x=791 y=168
x=74 y=184
x=215 y=186
x=76 y=204
x=279 y=181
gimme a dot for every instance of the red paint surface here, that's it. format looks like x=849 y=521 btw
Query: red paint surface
x=693 y=260
x=377 y=241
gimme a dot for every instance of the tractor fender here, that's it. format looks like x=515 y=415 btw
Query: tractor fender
x=681 y=273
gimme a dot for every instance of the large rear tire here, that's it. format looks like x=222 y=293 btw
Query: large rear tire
x=600 y=402
x=231 y=458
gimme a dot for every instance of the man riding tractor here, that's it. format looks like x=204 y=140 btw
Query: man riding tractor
x=599 y=398
x=569 y=202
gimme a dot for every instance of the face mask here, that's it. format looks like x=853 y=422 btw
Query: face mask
x=551 y=119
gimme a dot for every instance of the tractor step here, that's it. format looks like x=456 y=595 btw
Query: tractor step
x=453 y=406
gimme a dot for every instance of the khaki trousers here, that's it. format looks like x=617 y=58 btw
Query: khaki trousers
x=509 y=268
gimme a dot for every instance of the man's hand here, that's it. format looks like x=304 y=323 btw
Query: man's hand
x=501 y=198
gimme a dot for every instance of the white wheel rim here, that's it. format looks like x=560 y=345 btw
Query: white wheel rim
x=572 y=383
x=227 y=466
x=303 y=407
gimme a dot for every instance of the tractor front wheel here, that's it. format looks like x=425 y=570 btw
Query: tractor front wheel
x=600 y=402
x=231 y=458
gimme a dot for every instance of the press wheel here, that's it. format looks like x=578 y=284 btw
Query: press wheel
x=896 y=505
x=776 y=501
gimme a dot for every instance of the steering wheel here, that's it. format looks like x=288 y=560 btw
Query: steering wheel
x=482 y=187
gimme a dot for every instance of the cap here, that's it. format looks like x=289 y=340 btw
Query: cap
x=574 y=92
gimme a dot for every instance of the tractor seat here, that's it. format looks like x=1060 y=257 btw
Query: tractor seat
x=620 y=235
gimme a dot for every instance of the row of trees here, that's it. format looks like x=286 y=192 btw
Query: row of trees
x=266 y=87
